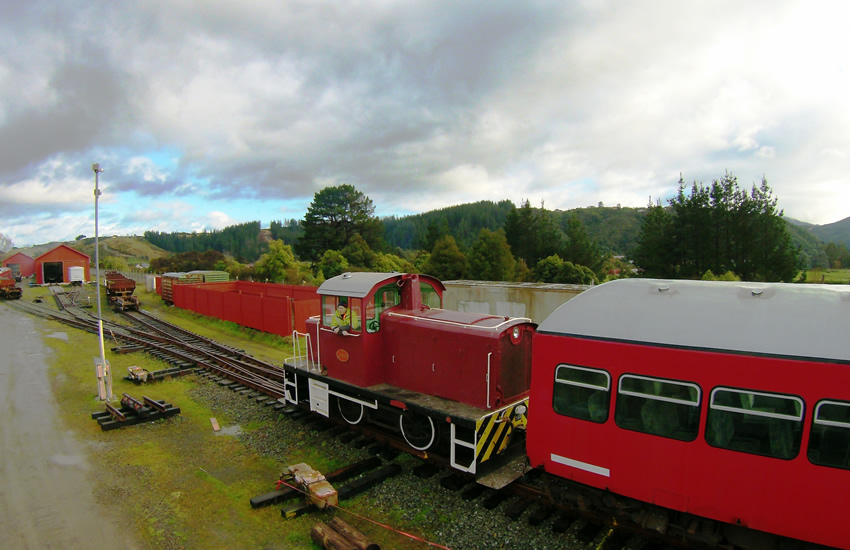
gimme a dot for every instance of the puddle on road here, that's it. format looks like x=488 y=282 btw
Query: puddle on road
x=67 y=460
x=230 y=430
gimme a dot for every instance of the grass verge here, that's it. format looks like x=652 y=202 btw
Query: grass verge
x=175 y=483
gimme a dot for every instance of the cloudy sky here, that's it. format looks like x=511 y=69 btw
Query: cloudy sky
x=204 y=114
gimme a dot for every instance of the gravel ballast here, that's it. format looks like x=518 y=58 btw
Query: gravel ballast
x=421 y=504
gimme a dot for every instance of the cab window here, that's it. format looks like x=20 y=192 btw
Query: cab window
x=352 y=317
x=430 y=297
x=582 y=392
x=668 y=408
x=755 y=422
x=829 y=443
x=386 y=297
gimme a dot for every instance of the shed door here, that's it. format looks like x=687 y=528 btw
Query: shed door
x=53 y=272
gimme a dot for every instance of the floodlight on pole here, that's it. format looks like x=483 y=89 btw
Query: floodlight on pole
x=104 y=373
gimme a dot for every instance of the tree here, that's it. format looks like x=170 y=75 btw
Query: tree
x=358 y=253
x=554 y=269
x=654 y=254
x=720 y=228
x=334 y=217
x=332 y=263
x=187 y=261
x=532 y=233
x=580 y=248
x=113 y=263
x=437 y=229
x=490 y=258
x=447 y=261
x=273 y=265
x=837 y=255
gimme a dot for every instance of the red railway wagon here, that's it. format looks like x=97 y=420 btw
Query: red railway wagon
x=724 y=400
x=453 y=384
x=119 y=291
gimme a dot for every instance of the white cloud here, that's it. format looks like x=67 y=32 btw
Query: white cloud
x=419 y=105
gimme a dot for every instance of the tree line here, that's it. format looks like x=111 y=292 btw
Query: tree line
x=718 y=228
x=704 y=230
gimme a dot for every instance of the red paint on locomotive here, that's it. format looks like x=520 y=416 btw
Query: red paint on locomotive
x=400 y=336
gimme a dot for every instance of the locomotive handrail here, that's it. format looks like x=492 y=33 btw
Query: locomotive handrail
x=489 y=356
x=307 y=356
x=458 y=323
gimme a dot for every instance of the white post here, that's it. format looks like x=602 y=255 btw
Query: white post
x=104 y=374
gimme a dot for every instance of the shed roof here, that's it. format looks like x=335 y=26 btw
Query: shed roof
x=15 y=255
x=792 y=320
x=61 y=248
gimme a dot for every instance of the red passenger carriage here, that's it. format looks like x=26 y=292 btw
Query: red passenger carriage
x=452 y=384
x=728 y=401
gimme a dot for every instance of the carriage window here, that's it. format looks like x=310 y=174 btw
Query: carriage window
x=755 y=422
x=430 y=297
x=386 y=297
x=582 y=393
x=659 y=407
x=829 y=444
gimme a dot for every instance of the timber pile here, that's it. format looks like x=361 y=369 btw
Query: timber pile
x=132 y=411
x=339 y=535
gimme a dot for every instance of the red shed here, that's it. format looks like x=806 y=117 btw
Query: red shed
x=53 y=265
x=20 y=264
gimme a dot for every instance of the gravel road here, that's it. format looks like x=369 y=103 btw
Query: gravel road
x=46 y=481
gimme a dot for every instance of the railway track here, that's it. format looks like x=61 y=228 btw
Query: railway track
x=536 y=499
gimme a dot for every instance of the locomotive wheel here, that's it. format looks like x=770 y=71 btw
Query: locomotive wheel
x=350 y=411
x=417 y=430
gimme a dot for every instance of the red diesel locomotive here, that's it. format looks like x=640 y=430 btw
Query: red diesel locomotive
x=729 y=401
x=453 y=384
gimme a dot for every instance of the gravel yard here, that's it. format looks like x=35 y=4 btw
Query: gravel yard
x=453 y=522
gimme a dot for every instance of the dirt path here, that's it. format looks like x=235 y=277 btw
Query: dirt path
x=46 y=482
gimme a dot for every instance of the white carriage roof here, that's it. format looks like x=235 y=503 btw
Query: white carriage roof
x=354 y=285
x=794 y=320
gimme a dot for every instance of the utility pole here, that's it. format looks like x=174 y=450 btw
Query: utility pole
x=102 y=369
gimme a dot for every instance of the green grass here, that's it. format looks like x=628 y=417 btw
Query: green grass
x=174 y=483
x=828 y=276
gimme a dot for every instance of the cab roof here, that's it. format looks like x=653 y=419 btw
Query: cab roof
x=358 y=284
x=791 y=320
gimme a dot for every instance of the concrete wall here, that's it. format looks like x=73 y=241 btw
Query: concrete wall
x=533 y=300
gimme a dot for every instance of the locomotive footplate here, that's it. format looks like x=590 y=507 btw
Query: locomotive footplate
x=473 y=440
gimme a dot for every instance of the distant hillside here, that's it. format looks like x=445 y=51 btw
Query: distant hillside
x=463 y=222
x=132 y=249
x=615 y=229
x=838 y=232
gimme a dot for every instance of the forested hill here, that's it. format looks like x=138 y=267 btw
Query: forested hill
x=838 y=232
x=463 y=222
x=615 y=229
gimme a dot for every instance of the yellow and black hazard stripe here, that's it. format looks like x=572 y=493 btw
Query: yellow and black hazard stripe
x=493 y=432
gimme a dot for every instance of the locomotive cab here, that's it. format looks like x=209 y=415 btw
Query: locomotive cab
x=347 y=334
